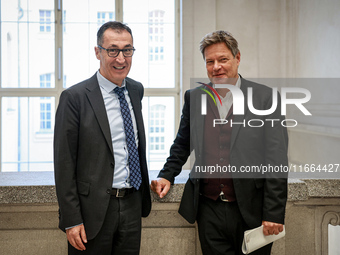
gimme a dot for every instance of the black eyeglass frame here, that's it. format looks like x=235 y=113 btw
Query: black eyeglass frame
x=119 y=50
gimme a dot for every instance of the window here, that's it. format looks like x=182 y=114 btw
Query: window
x=157 y=127
x=156 y=29
x=79 y=60
x=45 y=81
x=27 y=133
x=45 y=21
x=153 y=23
x=41 y=46
x=159 y=114
x=45 y=105
x=27 y=85
x=104 y=17
x=45 y=116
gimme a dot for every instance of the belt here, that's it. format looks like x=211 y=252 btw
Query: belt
x=120 y=192
x=223 y=198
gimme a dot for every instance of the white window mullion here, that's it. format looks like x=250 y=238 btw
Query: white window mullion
x=119 y=10
x=58 y=48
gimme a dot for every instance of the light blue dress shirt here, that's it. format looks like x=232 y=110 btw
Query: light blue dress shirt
x=111 y=101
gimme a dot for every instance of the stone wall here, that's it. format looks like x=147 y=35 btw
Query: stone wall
x=29 y=219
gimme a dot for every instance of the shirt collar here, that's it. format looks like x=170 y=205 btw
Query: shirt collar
x=238 y=82
x=107 y=85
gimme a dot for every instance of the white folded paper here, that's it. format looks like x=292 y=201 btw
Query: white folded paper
x=255 y=239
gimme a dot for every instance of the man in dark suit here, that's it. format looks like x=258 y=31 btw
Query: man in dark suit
x=101 y=174
x=226 y=204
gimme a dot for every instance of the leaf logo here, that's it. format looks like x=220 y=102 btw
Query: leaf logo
x=208 y=92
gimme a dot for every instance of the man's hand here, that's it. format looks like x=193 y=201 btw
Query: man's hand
x=77 y=237
x=160 y=186
x=271 y=228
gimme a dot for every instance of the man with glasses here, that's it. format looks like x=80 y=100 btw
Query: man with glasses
x=101 y=174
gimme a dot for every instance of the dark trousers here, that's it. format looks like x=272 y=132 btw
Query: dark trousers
x=221 y=228
x=121 y=230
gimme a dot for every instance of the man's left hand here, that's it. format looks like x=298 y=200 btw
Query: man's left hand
x=271 y=228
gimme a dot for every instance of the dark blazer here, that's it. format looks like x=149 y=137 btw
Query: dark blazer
x=257 y=198
x=83 y=155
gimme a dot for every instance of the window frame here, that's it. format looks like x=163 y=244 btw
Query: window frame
x=58 y=28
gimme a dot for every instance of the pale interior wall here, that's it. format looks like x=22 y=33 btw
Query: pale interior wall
x=318 y=39
x=277 y=39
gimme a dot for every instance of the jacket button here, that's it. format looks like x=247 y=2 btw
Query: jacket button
x=221 y=159
x=108 y=191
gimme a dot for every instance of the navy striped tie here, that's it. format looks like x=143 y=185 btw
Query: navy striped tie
x=134 y=165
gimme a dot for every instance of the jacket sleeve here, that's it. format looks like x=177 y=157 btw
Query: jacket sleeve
x=180 y=149
x=275 y=185
x=65 y=160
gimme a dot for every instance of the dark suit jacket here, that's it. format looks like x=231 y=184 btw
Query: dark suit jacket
x=83 y=155
x=258 y=198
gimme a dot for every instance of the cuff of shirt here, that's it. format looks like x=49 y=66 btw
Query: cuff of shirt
x=73 y=226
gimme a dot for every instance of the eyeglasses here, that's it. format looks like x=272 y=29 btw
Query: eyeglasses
x=115 y=52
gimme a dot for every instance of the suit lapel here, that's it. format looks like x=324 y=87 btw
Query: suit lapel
x=213 y=107
x=96 y=100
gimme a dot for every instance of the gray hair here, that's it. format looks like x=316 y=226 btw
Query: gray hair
x=218 y=37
